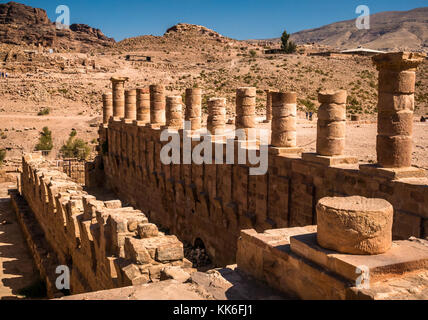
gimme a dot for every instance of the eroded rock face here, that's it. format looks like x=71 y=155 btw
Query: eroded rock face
x=24 y=25
x=355 y=225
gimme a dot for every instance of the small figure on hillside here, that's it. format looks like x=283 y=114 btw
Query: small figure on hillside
x=423 y=119
x=310 y=116
x=307 y=115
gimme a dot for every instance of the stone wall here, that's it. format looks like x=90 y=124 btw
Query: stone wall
x=104 y=244
x=209 y=200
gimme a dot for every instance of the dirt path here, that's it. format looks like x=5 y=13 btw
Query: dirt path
x=17 y=270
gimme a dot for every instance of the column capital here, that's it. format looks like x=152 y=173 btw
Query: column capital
x=398 y=61
x=119 y=79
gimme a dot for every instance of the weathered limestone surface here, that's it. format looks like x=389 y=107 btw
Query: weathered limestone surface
x=355 y=225
x=100 y=241
x=193 y=107
x=397 y=75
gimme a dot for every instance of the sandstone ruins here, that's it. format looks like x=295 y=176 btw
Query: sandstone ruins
x=350 y=231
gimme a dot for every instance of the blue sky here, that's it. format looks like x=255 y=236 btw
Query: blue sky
x=239 y=19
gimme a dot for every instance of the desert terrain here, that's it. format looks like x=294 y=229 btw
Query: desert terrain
x=69 y=83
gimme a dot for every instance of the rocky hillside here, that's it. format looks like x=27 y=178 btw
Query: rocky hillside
x=394 y=30
x=181 y=36
x=24 y=25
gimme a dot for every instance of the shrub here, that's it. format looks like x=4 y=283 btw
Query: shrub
x=45 y=140
x=44 y=112
x=75 y=148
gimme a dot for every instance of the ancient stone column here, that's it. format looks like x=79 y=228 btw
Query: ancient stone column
x=107 y=107
x=118 y=84
x=157 y=104
x=354 y=225
x=268 y=106
x=130 y=105
x=245 y=109
x=143 y=105
x=174 y=112
x=331 y=127
x=193 y=107
x=284 y=115
x=216 y=121
x=397 y=75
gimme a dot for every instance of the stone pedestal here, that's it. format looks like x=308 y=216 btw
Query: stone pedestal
x=157 y=104
x=107 y=107
x=355 y=225
x=393 y=173
x=193 y=107
x=245 y=109
x=118 y=85
x=329 y=161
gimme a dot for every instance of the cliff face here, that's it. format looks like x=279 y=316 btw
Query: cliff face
x=24 y=25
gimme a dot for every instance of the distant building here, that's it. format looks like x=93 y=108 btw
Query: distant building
x=362 y=51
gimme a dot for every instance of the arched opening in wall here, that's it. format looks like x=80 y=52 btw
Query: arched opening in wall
x=199 y=244
x=198 y=255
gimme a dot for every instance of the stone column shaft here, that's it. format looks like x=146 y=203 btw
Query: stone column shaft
x=193 y=107
x=131 y=104
x=157 y=104
x=268 y=106
x=331 y=126
x=107 y=107
x=216 y=121
x=118 y=85
x=174 y=112
x=284 y=123
x=143 y=105
x=245 y=108
x=397 y=76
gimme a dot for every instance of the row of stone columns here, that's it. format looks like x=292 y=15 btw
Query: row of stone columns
x=395 y=114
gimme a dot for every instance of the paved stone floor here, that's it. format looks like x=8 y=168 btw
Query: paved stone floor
x=17 y=269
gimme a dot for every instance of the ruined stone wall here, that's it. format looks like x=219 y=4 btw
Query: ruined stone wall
x=214 y=202
x=104 y=244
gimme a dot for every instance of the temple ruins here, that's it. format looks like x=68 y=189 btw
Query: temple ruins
x=314 y=226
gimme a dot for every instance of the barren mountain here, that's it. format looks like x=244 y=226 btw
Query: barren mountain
x=393 y=30
x=24 y=25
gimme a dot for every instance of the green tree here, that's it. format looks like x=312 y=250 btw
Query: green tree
x=45 y=140
x=287 y=45
x=75 y=147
